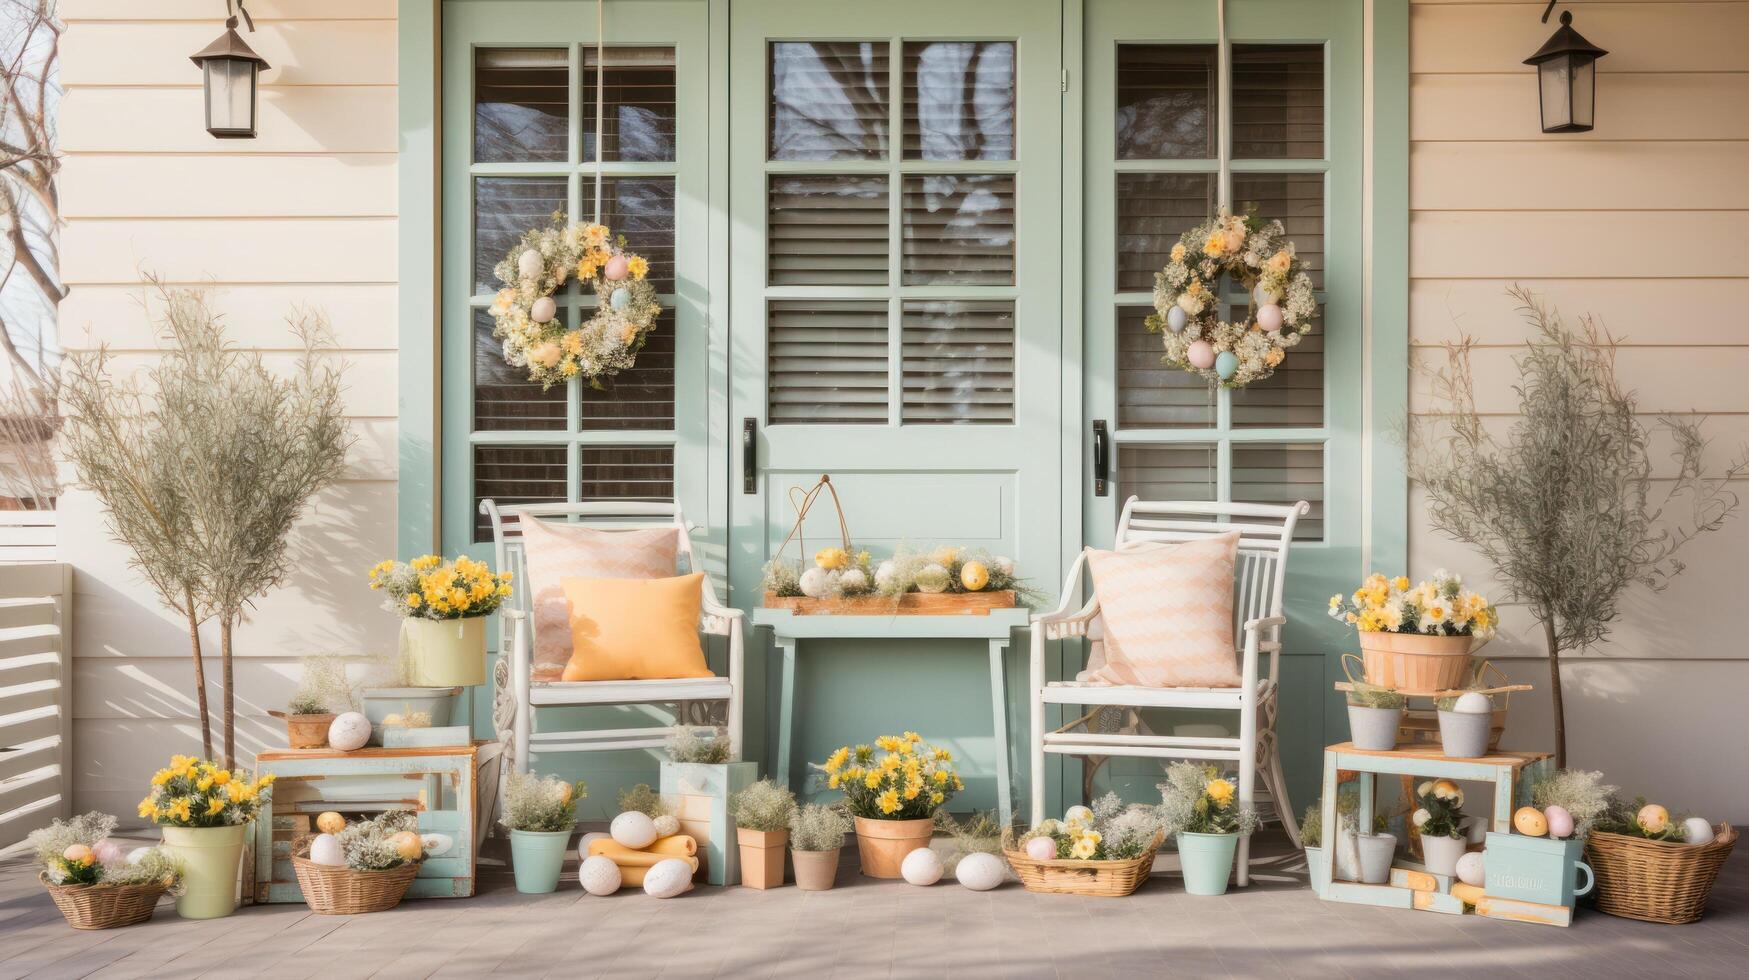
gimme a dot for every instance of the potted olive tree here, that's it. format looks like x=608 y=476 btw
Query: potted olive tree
x=816 y=838
x=762 y=817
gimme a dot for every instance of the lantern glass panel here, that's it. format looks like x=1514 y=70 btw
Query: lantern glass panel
x=1584 y=93
x=230 y=93
x=1557 y=94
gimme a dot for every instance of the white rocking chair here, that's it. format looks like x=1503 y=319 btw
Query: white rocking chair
x=1259 y=574
x=516 y=694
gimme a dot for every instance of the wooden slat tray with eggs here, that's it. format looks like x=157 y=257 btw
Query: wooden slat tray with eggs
x=909 y=604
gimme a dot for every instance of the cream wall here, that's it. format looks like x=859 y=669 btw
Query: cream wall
x=1640 y=221
x=305 y=214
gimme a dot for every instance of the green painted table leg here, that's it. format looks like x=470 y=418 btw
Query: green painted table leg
x=999 y=710
x=786 y=712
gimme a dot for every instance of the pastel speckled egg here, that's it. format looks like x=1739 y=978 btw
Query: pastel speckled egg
x=330 y=823
x=1226 y=364
x=1470 y=868
x=349 y=731
x=667 y=879
x=1176 y=319
x=633 y=829
x=529 y=263
x=619 y=299
x=1201 y=354
x=1078 y=815
x=617 y=268
x=325 y=849
x=599 y=875
x=1696 y=830
x=1560 y=821
x=544 y=309
x=1269 y=317
x=1530 y=822
x=921 y=867
x=667 y=825
x=1041 y=849
x=1653 y=818
x=980 y=872
x=408 y=845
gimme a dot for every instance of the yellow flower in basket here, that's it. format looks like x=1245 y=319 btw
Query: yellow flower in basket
x=832 y=559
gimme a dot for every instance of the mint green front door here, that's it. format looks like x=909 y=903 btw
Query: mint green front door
x=1177 y=125
x=896 y=209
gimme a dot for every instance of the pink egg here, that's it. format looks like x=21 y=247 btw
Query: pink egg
x=1269 y=317
x=1560 y=821
x=1201 y=355
x=1041 y=849
x=107 y=852
x=616 y=268
x=544 y=309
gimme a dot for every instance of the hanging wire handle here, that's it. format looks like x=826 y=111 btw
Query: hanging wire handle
x=234 y=8
x=1549 y=10
x=808 y=498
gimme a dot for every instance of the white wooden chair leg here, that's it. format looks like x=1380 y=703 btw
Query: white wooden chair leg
x=520 y=655
x=1036 y=691
x=1278 y=792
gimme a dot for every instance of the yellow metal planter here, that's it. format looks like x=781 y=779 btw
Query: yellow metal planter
x=211 y=858
x=445 y=652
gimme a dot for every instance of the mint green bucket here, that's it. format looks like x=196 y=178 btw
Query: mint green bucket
x=538 y=857
x=1207 y=860
x=211 y=859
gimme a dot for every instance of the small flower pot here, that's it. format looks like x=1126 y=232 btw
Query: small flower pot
x=1376 y=853
x=381 y=703
x=537 y=857
x=1374 y=729
x=761 y=856
x=305 y=731
x=445 y=652
x=882 y=844
x=816 y=871
x=212 y=858
x=1314 y=865
x=1464 y=734
x=1440 y=854
x=1207 y=861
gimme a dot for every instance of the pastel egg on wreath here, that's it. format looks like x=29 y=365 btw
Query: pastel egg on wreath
x=1177 y=319
x=349 y=731
x=1695 y=830
x=1263 y=296
x=529 y=264
x=1041 y=849
x=633 y=829
x=617 y=268
x=668 y=878
x=543 y=310
x=599 y=875
x=1201 y=355
x=325 y=850
x=921 y=867
x=330 y=823
x=1269 y=317
x=1470 y=868
x=1560 y=821
x=1226 y=364
x=619 y=299
x=980 y=872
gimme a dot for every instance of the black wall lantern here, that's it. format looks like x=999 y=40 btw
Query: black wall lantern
x=1566 y=73
x=231 y=67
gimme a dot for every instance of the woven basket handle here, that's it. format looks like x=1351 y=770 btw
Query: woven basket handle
x=806 y=503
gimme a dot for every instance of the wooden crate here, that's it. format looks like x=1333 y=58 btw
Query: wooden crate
x=909 y=604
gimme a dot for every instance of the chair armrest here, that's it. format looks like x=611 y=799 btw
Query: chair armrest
x=1062 y=622
x=1266 y=622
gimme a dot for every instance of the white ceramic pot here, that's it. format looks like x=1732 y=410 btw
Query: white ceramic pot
x=1440 y=854
x=1374 y=729
x=1376 y=853
x=1464 y=734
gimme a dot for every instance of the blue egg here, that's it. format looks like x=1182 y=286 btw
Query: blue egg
x=1226 y=364
x=1176 y=319
x=620 y=299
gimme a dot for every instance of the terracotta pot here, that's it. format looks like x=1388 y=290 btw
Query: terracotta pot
x=761 y=856
x=883 y=844
x=305 y=731
x=816 y=870
x=1415 y=661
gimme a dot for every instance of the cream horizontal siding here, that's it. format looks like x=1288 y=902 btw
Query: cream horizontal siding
x=1642 y=223
x=302 y=217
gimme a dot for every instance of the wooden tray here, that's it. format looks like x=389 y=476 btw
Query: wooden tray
x=909 y=604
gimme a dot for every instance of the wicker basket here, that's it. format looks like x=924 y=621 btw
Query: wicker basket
x=105 y=906
x=330 y=890
x=1657 y=881
x=1105 y=879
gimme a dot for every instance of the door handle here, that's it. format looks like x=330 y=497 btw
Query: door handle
x=1101 y=458
x=749 y=455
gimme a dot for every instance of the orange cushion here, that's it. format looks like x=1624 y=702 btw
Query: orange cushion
x=626 y=629
x=557 y=551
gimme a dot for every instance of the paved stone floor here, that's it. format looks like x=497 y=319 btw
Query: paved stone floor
x=864 y=928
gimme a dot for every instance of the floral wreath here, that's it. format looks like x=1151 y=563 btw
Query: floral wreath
x=1187 y=300
x=527 y=315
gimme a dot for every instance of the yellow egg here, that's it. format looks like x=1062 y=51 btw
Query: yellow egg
x=944 y=555
x=330 y=823
x=1653 y=818
x=1530 y=822
x=408 y=845
x=78 y=854
x=974 y=576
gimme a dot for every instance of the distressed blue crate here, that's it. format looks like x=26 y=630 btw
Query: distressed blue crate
x=699 y=795
x=1535 y=869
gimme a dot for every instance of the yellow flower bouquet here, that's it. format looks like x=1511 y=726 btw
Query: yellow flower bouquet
x=900 y=777
x=428 y=587
x=193 y=792
x=1439 y=606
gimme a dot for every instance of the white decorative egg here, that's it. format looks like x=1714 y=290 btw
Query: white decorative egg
x=1004 y=564
x=633 y=829
x=1472 y=703
x=666 y=879
x=1041 y=849
x=1079 y=815
x=599 y=875
x=667 y=825
x=325 y=849
x=349 y=731
x=1560 y=821
x=980 y=872
x=436 y=845
x=1269 y=317
x=529 y=264
x=816 y=583
x=1470 y=869
x=885 y=573
x=1696 y=830
x=544 y=309
x=137 y=855
x=921 y=867
x=932 y=578
x=853 y=580
x=584 y=841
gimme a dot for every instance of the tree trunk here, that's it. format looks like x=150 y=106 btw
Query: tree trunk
x=225 y=625
x=206 y=724
x=1555 y=693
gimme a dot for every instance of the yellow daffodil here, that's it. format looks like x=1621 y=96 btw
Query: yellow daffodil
x=1221 y=791
x=638 y=266
x=838 y=759
x=937 y=798
x=148 y=809
x=831 y=559
x=215 y=806
x=872 y=780
x=888 y=801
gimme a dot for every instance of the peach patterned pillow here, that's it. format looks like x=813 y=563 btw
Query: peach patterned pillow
x=558 y=551
x=1168 y=614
